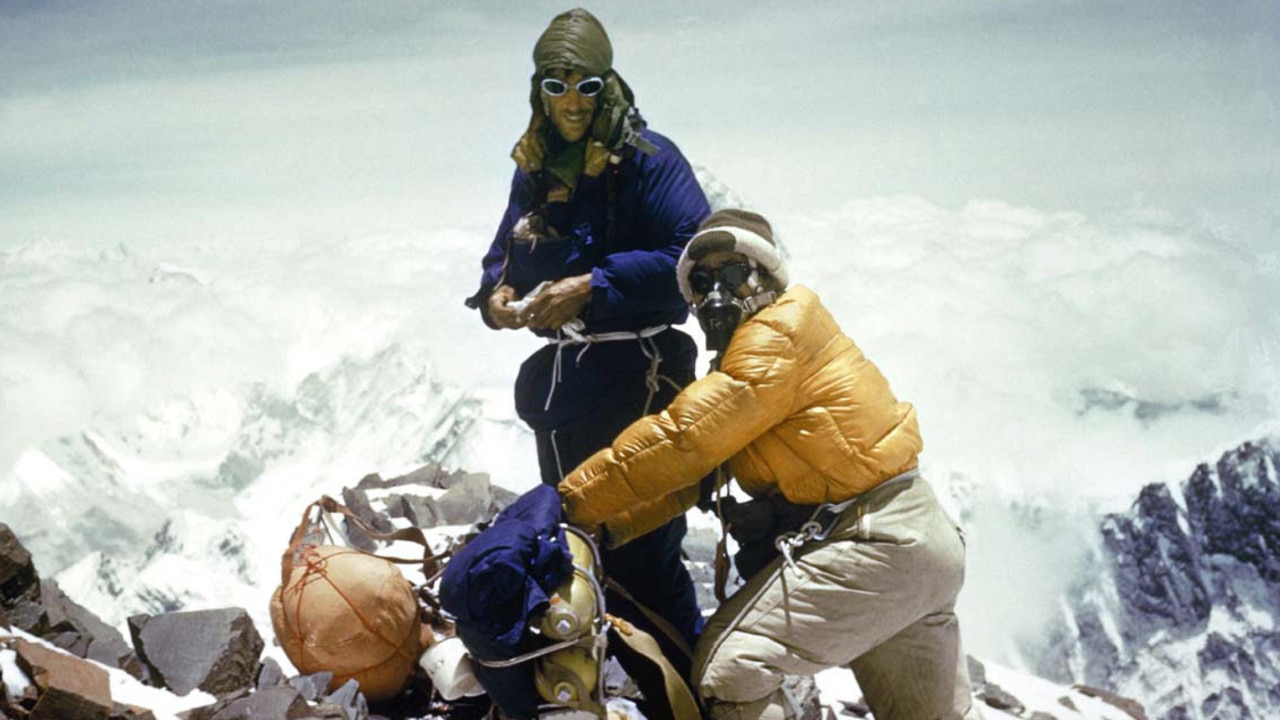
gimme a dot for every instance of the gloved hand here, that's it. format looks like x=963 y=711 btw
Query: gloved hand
x=749 y=522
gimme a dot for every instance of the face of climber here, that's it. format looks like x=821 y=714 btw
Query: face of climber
x=572 y=110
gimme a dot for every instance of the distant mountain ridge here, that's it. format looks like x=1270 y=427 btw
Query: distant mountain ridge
x=1185 y=614
x=115 y=486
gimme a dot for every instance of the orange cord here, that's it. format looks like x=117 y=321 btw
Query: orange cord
x=316 y=567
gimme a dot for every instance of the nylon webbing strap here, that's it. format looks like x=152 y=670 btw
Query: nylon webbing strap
x=680 y=702
x=660 y=622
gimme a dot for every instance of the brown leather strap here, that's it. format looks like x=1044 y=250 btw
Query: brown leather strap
x=286 y=560
x=430 y=562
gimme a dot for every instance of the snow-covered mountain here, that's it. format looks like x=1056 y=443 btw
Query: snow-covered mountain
x=1182 y=608
x=142 y=518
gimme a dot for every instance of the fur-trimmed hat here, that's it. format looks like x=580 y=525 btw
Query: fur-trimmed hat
x=732 y=230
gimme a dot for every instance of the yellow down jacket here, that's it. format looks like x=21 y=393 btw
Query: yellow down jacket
x=795 y=408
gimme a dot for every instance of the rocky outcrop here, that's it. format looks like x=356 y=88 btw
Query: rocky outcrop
x=1158 y=566
x=18 y=578
x=1183 y=607
x=1233 y=508
x=40 y=608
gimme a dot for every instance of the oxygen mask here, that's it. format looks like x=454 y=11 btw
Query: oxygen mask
x=721 y=309
x=719 y=314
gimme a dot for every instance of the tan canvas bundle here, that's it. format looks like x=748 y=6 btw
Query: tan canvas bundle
x=348 y=612
x=352 y=614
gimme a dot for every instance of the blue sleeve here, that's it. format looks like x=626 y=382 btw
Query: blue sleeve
x=643 y=281
x=493 y=264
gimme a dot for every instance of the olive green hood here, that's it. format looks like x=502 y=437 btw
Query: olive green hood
x=575 y=40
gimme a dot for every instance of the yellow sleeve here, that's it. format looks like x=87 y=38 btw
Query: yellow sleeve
x=650 y=473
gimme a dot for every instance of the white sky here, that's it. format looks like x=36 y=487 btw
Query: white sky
x=145 y=121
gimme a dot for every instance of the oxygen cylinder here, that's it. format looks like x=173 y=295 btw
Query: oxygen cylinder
x=574 y=604
x=569 y=676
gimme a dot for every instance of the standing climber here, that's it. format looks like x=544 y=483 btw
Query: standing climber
x=599 y=212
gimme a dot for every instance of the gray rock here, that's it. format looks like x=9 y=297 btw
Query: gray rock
x=312 y=687
x=270 y=674
x=1226 y=705
x=42 y=609
x=1239 y=513
x=274 y=703
x=358 y=502
x=1162 y=581
x=329 y=712
x=858 y=709
x=467 y=501
x=1000 y=699
x=29 y=615
x=502 y=497
x=421 y=511
x=214 y=650
x=350 y=699
x=77 y=630
x=128 y=712
x=206 y=712
x=429 y=475
x=1182 y=554
x=444 y=482
x=1129 y=706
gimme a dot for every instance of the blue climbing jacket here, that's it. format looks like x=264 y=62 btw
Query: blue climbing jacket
x=657 y=206
x=498 y=582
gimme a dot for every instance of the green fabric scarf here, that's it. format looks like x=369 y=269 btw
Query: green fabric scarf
x=565 y=161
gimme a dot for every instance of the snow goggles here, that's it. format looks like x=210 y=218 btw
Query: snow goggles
x=731 y=275
x=586 y=87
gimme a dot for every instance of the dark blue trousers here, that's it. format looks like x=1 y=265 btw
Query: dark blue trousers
x=598 y=396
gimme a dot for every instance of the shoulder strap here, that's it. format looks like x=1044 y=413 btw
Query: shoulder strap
x=667 y=697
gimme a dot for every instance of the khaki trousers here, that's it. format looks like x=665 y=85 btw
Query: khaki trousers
x=877 y=595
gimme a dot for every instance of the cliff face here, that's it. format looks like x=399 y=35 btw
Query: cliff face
x=1183 y=609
